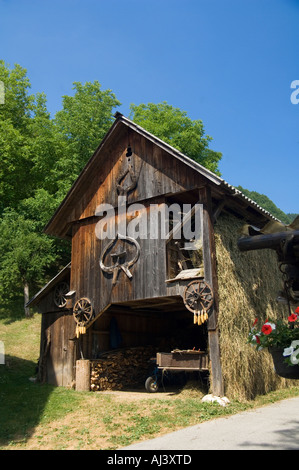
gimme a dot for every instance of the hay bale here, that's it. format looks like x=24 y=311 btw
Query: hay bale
x=248 y=286
x=193 y=389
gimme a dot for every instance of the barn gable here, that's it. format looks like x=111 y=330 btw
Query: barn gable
x=159 y=168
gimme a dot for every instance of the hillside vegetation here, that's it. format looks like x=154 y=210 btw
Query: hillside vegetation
x=266 y=203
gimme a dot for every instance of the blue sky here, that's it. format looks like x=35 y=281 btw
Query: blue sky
x=229 y=63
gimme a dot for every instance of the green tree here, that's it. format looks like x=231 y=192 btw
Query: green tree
x=15 y=116
x=174 y=127
x=82 y=123
x=47 y=148
x=18 y=102
x=25 y=255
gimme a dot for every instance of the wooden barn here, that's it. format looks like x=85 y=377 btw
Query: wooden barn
x=138 y=281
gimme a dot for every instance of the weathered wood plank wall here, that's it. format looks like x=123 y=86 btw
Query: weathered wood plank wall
x=88 y=280
x=157 y=174
x=59 y=329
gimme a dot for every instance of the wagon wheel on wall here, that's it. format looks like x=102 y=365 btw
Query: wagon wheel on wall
x=198 y=298
x=59 y=294
x=82 y=312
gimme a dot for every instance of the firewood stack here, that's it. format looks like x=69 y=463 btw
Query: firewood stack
x=122 y=368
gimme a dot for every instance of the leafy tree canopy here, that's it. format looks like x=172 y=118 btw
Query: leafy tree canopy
x=174 y=127
x=25 y=255
x=14 y=135
x=18 y=102
x=83 y=122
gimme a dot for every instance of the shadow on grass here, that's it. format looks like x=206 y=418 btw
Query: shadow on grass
x=12 y=310
x=22 y=401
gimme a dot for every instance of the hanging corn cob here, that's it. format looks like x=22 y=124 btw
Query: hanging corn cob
x=82 y=313
x=198 y=298
x=80 y=330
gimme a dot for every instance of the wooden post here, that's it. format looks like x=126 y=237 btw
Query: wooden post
x=2 y=353
x=209 y=258
x=82 y=375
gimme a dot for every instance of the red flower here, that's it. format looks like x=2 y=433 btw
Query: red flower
x=297 y=310
x=266 y=329
x=256 y=320
x=258 y=340
x=292 y=317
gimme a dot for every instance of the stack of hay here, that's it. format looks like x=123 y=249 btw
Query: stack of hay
x=248 y=286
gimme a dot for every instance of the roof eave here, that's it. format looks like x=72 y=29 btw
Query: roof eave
x=45 y=289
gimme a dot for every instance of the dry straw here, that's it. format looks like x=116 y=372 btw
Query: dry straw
x=248 y=286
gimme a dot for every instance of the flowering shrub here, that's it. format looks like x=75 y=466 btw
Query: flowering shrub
x=278 y=334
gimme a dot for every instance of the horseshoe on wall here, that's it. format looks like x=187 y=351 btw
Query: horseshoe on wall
x=120 y=264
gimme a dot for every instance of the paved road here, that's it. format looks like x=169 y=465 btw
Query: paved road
x=272 y=427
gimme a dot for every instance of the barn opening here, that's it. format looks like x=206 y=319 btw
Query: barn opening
x=127 y=337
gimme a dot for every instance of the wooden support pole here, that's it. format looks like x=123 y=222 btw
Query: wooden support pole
x=209 y=258
x=82 y=375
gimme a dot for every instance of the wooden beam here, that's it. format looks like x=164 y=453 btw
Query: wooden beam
x=216 y=370
x=218 y=209
x=269 y=240
x=97 y=316
x=186 y=218
x=210 y=271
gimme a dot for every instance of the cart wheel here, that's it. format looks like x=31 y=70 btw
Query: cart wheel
x=151 y=385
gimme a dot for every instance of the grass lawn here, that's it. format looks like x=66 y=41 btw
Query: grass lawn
x=35 y=416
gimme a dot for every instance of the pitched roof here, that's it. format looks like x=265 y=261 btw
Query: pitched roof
x=45 y=289
x=120 y=121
